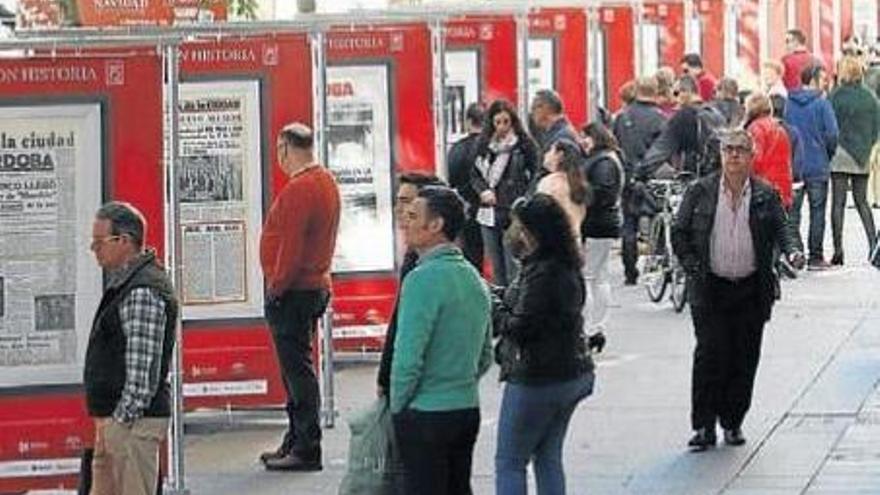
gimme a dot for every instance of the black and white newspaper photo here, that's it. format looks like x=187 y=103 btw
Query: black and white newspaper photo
x=220 y=184
x=541 y=65
x=50 y=188
x=359 y=151
x=461 y=88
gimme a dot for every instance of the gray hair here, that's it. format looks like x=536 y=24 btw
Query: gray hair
x=549 y=98
x=124 y=219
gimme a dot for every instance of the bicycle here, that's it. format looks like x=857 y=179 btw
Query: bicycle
x=660 y=266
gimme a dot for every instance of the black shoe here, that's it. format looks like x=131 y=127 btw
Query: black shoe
x=817 y=264
x=837 y=259
x=296 y=462
x=734 y=437
x=703 y=439
x=274 y=454
x=631 y=281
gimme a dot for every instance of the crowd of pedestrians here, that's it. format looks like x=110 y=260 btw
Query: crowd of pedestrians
x=543 y=203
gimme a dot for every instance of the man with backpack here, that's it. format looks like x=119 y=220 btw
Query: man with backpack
x=689 y=142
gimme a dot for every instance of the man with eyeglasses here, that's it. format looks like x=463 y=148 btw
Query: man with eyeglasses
x=128 y=356
x=296 y=251
x=724 y=235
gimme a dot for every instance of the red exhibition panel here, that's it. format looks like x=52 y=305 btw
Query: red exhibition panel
x=826 y=34
x=803 y=12
x=494 y=39
x=711 y=14
x=567 y=28
x=777 y=15
x=231 y=361
x=618 y=27
x=44 y=428
x=749 y=43
x=362 y=62
x=846 y=20
x=670 y=16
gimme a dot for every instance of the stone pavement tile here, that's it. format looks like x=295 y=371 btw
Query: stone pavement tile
x=793 y=453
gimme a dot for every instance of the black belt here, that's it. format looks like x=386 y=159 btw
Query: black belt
x=733 y=282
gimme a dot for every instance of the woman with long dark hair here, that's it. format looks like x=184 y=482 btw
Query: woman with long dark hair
x=564 y=181
x=542 y=350
x=605 y=175
x=506 y=162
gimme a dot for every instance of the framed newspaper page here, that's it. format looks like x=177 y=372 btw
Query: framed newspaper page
x=220 y=179
x=51 y=158
x=359 y=155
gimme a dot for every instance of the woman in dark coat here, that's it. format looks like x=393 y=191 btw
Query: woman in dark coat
x=542 y=350
x=857 y=117
x=507 y=160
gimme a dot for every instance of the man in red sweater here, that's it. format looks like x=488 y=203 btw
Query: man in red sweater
x=692 y=65
x=796 y=60
x=296 y=250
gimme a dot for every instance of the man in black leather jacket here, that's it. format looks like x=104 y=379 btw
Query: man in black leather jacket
x=724 y=235
x=636 y=128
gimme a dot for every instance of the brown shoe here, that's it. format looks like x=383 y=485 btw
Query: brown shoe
x=295 y=462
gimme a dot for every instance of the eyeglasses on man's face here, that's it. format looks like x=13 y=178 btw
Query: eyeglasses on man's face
x=100 y=241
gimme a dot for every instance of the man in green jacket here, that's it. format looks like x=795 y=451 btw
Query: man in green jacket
x=443 y=347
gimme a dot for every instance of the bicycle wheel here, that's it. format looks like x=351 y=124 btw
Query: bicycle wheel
x=679 y=289
x=656 y=261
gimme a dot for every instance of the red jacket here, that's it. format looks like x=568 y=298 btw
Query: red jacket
x=794 y=63
x=772 y=155
x=706 y=83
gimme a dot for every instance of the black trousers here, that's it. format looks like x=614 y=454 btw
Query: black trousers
x=729 y=328
x=293 y=321
x=839 y=183
x=629 y=248
x=472 y=243
x=436 y=449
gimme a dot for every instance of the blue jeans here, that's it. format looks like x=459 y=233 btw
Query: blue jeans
x=816 y=191
x=532 y=425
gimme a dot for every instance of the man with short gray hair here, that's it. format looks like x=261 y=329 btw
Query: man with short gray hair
x=725 y=235
x=128 y=356
x=548 y=117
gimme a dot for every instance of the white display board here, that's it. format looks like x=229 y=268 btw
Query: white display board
x=650 y=49
x=221 y=183
x=461 y=88
x=50 y=285
x=541 y=65
x=359 y=155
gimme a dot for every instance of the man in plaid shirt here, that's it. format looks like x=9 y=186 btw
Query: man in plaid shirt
x=128 y=356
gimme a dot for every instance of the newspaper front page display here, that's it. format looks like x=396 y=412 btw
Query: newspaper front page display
x=541 y=65
x=50 y=285
x=462 y=87
x=359 y=154
x=220 y=184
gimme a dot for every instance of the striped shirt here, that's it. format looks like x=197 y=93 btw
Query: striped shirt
x=731 y=252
